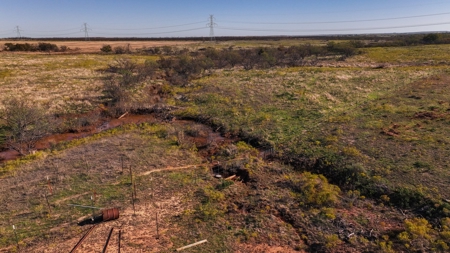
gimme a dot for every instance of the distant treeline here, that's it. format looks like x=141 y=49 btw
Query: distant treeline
x=373 y=39
x=40 y=47
x=355 y=41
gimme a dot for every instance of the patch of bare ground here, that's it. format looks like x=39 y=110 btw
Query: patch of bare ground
x=137 y=228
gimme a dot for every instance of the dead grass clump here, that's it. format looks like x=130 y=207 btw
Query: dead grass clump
x=429 y=115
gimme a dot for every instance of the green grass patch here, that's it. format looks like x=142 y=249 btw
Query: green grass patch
x=419 y=54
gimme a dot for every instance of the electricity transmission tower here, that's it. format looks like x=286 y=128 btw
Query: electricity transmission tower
x=17 y=30
x=85 y=28
x=211 y=25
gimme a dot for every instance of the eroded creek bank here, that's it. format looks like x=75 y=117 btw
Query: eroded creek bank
x=71 y=134
x=206 y=139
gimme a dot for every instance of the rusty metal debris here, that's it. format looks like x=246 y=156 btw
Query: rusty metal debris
x=82 y=239
x=106 y=215
x=107 y=240
x=118 y=243
x=110 y=214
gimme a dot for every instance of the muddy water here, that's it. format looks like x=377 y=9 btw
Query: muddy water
x=50 y=140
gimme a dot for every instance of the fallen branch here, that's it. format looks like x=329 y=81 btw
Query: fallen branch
x=123 y=115
x=192 y=245
x=230 y=177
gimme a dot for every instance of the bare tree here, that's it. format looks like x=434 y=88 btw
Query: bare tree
x=25 y=124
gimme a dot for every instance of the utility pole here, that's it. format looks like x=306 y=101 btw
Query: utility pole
x=86 y=30
x=211 y=25
x=17 y=30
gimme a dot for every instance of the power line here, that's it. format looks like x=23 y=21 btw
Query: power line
x=49 y=35
x=150 y=28
x=86 y=30
x=348 y=10
x=335 y=22
x=6 y=33
x=186 y=30
x=211 y=25
x=64 y=30
x=332 y=30
x=17 y=30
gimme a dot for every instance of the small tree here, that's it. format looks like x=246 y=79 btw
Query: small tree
x=25 y=124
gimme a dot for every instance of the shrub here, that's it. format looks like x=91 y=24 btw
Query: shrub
x=417 y=235
x=2 y=135
x=167 y=50
x=332 y=241
x=233 y=58
x=180 y=69
x=19 y=47
x=121 y=88
x=315 y=190
x=407 y=198
x=119 y=50
x=47 y=47
x=431 y=38
x=345 y=48
x=149 y=69
x=106 y=49
x=25 y=124
x=122 y=49
x=42 y=46
x=63 y=48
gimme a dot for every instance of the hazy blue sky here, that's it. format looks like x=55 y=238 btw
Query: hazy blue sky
x=110 y=18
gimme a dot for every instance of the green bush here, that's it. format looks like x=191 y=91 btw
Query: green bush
x=315 y=190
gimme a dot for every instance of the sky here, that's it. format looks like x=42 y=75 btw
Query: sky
x=183 y=18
